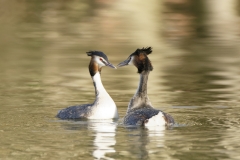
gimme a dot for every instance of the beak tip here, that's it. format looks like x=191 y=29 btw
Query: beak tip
x=119 y=65
x=122 y=64
x=112 y=66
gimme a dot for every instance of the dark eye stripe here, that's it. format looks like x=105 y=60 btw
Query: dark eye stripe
x=103 y=61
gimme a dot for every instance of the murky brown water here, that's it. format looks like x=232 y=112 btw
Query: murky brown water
x=196 y=78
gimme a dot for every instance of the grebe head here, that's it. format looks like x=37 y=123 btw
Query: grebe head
x=139 y=59
x=98 y=60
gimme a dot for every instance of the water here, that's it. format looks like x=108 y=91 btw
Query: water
x=43 y=68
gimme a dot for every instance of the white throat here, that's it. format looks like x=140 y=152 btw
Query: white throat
x=104 y=106
x=98 y=85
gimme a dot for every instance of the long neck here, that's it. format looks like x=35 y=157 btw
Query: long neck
x=95 y=72
x=140 y=99
x=142 y=86
x=99 y=88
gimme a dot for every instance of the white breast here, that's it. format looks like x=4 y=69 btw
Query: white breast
x=104 y=106
x=157 y=120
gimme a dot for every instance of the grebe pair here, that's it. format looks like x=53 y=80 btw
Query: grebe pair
x=140 y=110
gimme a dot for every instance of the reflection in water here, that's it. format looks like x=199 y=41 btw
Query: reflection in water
x=179 y=24
x=204 y=70
x=216 y=20
x=222 y=23
x=43 y=68
x=156 y=142
x=104 y=138
x=145 y=142
x=103 y=132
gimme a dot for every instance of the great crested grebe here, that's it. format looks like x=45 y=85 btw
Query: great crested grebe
x=103 y=107
x=140 y=110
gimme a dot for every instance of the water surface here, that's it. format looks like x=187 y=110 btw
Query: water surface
x=44 y=68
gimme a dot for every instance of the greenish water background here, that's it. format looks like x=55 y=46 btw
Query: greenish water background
x=44 y=68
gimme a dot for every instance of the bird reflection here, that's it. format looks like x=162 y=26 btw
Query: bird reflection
x=142 y=141
x=104 y=138
x=103 y=132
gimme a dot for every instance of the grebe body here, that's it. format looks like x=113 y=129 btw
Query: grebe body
x=140 y=110
x=103 y=107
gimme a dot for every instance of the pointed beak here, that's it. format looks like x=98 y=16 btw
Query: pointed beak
x=124 y=63
x=111 y=65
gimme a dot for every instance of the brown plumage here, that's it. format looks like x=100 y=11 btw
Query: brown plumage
x=140 y=110
x=141 y=61
x=94 y=67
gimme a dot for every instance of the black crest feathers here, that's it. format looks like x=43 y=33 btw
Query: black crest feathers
x=147 y=50
x=97 y=53
x=142 y=61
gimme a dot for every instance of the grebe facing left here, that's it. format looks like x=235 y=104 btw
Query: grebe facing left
x=103 y=107
x=140 y=110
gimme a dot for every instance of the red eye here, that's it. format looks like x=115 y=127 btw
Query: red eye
x=101 y=59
